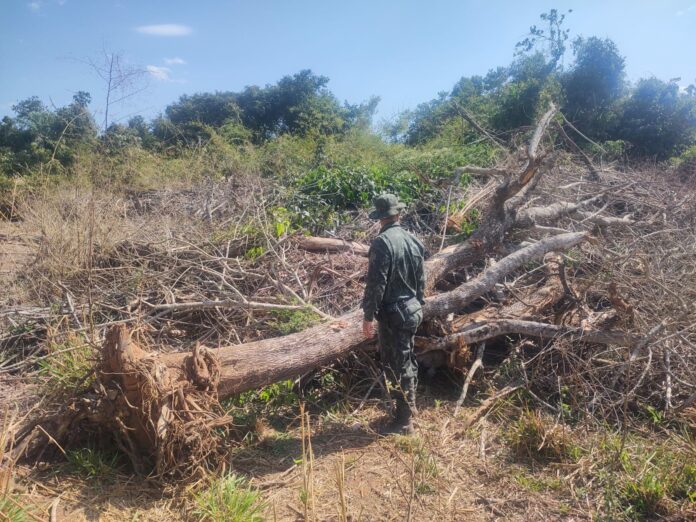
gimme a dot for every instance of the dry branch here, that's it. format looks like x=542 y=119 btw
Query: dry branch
x=478 y=332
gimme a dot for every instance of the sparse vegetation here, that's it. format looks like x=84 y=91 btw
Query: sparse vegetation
x=68 y=365
x=228 y=499
x=12 y=510
x=90 y=463
x=534 y=436
x=424 y=465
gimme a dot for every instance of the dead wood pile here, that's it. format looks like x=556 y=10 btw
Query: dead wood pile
x=585 y=275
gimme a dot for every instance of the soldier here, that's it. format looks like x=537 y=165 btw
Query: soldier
x=394 y=295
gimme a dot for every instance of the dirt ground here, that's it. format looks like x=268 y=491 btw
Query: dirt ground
x=446 y=472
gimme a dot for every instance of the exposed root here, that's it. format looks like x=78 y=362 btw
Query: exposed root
x=173 y=415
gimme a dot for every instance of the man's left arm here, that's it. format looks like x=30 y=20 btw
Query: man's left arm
x=375 y=284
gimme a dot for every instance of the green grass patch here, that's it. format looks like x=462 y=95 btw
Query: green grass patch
x=425 y=465
x=228 y=499
x=538 y=484
x=93 y=464
x=285 y=322
x=534 y=437
x=68 y=365
x=642 y=477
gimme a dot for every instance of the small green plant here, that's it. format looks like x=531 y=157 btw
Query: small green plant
x=290 y=321
x=228 y=499
x=644 y=495
x=92 y=463
x=657 y=417
x=68 y=365
x=254 y=253
x=425 y=465
x=12 y=510
x=532 y=437
x=271 y=397
x=282 y=221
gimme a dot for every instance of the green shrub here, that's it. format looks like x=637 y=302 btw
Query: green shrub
x=440 y=163
x=686 y=162
x=352 y=187
x=611 y=150
x=229 y=499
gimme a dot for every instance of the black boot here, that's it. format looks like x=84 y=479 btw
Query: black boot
x=403 y=421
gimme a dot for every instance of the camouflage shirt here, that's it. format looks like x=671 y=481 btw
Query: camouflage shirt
x=395 y=271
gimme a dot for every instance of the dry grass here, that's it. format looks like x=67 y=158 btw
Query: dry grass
x=353 y=474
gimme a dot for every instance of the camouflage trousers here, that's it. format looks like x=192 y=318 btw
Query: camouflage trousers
x=396 y=340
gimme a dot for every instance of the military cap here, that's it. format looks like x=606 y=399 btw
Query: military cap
x=386 y=205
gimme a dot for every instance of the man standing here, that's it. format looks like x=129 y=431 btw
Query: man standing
x=394 y=295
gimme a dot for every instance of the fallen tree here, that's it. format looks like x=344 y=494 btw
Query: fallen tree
x=164 y=405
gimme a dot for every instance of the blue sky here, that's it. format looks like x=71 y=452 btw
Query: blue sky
x=403 y=51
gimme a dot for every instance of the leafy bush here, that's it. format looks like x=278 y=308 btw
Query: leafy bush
x=348 y=187
x=612 y=150
x=437 y=164
x=686 y=162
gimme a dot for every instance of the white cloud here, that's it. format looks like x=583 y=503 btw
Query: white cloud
x=159 y=73
x=689 y=9
x=62 y=2
x=34 y=6
x=165 y=30
x=175 y=61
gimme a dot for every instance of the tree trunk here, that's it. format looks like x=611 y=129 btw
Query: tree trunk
x=326 y=244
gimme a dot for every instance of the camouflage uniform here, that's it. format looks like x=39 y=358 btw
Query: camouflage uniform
x=394 y=295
